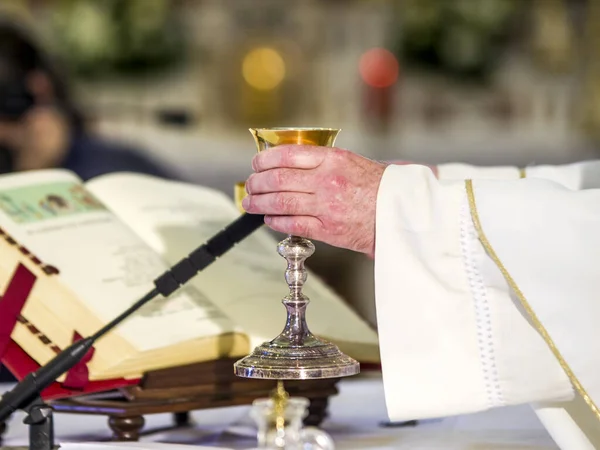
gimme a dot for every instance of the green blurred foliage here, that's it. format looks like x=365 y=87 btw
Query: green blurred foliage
x=460 y=38
x=100 y=37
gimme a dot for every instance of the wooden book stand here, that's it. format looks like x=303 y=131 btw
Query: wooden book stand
x=183 y=389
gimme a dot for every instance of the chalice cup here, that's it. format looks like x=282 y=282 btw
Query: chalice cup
x=296 y=353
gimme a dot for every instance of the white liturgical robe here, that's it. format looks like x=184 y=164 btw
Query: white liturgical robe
x=488 y=293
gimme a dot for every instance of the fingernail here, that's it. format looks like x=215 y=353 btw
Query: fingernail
x=268 y=220
x=245 y=203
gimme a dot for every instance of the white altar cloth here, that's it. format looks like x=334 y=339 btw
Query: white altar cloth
x=355 y=418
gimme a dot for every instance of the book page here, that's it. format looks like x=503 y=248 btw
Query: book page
x=100 y=259
x=248 y=282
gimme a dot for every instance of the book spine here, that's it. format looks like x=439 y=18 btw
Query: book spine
x=46 y=268
x=13 y=302
x=15 y=358
x=11 y=306
x=37 y=333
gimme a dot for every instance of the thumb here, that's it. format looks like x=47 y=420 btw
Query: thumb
x=304 y=226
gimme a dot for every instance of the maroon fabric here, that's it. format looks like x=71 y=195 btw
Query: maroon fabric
x=12 y=302
x=20 y=364
x=79 y=375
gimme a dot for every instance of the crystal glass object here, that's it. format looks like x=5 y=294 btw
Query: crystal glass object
x=296 y=353
x=279 y=422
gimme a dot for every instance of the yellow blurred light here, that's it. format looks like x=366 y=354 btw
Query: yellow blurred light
x=263 y=69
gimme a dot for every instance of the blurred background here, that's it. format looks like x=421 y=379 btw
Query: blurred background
x=479 y=81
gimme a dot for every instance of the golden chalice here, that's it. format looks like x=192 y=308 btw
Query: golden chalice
x=239 y=193
x=296 y=353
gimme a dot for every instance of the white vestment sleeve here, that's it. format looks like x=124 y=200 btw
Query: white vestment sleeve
x=576 y=176
x=453 y=340
x=460 y=171
x=550 y=254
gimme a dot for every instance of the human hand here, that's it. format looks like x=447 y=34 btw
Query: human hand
x=321 y=193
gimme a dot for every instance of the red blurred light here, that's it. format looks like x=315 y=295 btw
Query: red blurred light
x=379 y=68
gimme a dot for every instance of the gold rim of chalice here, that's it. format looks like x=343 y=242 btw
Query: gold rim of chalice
x=296 y=129
x=266 y=138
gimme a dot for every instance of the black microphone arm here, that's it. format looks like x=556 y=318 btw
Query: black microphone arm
x=27 y=390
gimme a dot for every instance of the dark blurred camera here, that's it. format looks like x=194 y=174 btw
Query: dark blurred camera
x=15 y=99
x=7 y=160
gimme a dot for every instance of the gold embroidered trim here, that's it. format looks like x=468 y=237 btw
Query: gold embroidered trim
x=523 y=172
x=524 y=303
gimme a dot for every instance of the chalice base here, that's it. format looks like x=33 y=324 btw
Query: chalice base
x=318 y=360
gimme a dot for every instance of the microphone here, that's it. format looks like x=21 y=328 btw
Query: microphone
x=206 y=254
x=29 y=389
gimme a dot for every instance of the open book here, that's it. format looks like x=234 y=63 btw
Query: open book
x=95 y=248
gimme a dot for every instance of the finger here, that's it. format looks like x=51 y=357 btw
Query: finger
x=290 y=156
x=281 y=203
x=304 y=226
x=281 y=180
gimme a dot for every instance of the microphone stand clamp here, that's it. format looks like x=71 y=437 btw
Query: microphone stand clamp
x=38 y=416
